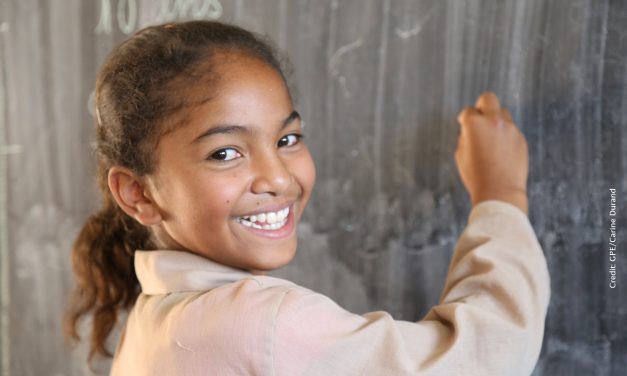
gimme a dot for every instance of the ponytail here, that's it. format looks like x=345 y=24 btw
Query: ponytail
x=105 y=280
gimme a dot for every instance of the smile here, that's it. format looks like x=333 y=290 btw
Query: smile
x=266 y=221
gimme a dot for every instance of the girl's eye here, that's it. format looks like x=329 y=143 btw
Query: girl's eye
x=225 y=154
x=290 y=139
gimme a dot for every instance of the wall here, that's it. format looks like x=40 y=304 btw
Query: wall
x=379 y=84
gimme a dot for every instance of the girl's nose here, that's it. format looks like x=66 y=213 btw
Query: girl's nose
x=271 y=175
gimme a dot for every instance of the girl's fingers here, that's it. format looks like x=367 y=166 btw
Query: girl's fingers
x=488 y=103
x=466 y=114
x=507 y=115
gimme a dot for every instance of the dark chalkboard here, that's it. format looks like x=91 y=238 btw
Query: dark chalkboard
x=379 y=84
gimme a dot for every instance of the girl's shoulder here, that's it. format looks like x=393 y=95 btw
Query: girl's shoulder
x=258 y=291
x=261 y=294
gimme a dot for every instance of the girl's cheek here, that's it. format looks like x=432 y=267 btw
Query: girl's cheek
x=230 y=184
x=305 y=170
x=220 y=189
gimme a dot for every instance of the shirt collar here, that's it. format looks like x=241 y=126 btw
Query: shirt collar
x=166 y=271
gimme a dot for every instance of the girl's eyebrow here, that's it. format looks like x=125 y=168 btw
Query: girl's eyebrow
x=229 y=128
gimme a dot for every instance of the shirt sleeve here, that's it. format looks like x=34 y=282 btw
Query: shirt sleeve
x=489 y=321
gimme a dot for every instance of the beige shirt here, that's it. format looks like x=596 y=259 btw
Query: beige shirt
x=197 y=317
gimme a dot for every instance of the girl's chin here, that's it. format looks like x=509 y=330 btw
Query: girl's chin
x=272 y=261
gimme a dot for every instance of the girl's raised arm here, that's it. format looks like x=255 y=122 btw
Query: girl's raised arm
x=490 y=319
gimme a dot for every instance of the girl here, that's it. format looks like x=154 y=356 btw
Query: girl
x=205 y=177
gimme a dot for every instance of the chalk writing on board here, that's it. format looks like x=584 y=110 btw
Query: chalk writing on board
x=182 y=9
x=127 y=22
x=126 y=13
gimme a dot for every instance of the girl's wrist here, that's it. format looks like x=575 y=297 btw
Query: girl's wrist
x=517 y=197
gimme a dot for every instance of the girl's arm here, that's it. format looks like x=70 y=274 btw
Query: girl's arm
x=490 y=319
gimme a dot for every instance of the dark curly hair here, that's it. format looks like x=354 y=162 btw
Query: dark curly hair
x=140 y=90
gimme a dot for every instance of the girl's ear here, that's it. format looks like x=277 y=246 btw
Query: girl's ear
x=128 y=191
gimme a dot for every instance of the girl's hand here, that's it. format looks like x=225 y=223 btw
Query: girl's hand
x=492 y=155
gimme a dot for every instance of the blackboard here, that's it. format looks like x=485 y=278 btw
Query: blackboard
x=379 y=84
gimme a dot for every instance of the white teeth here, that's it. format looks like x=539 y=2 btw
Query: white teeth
x=273 y=226
x=266 y=221
x=282 y=214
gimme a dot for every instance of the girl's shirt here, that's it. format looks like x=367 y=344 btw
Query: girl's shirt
x=197 y=317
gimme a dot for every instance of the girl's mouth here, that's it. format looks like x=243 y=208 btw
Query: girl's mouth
x=273 y=224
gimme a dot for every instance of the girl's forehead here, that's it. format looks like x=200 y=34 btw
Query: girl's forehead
x=219 y=69
x=241 y=68
x=236 y=88
x=227 y=82
x=228 y=62
x=244 y=80
x=231 y=71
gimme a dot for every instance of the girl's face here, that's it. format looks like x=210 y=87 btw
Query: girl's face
x=231 y=183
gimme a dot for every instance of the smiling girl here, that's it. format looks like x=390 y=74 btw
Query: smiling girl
x=205 y=176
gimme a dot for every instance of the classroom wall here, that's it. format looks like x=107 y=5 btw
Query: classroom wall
x=379 y=84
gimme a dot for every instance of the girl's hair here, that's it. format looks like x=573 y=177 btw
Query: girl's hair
x=142 y=85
